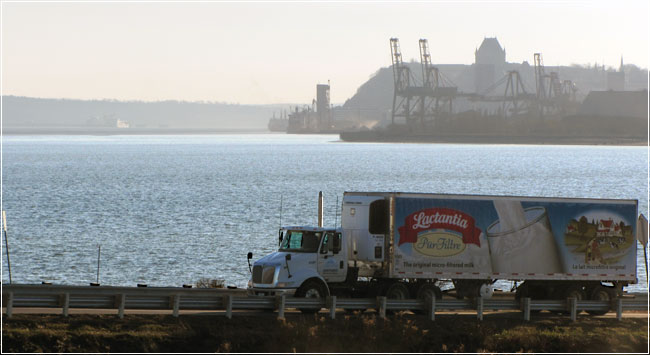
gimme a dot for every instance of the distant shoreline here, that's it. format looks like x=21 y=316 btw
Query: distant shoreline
x=106 y=131
x=374 y=137
x=345 y=137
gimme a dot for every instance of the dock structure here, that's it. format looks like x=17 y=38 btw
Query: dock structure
x=422 y=103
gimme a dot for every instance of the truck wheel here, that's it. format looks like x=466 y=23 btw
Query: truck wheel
x=396 y=291
x=572 y=291
x=311 y=289
x=428 y=291
x=425 y=293
x=600 y=293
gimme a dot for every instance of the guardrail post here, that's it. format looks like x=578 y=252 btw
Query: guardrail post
x=177 y=305
x=331 y=303
x=280 y=301
x=10 y=304
x=526 y=301
x=432 y=308
x=66 y=304
x=573 y=306
x=228 y=300
x=381 y=302
x=619 y=309
x=122 y=304
x=479 y=308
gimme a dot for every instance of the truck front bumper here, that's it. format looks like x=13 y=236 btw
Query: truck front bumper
x=259 y=291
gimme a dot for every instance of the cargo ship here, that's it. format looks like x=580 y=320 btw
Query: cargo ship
x=278 y=124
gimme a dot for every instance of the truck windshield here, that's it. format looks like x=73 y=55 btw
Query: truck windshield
x=301 y=241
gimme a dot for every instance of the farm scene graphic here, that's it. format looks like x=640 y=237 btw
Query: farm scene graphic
x=599 y=239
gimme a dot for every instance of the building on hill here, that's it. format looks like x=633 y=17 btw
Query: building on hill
x=489 y=62
x=616 y=79
x=490 y=52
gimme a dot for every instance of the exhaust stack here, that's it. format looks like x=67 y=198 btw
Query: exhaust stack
x=320 y=209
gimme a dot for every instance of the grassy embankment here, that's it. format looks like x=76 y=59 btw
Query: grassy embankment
x=317 y=333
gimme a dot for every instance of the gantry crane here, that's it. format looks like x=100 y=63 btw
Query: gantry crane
x=553 y=95
x=403 y=94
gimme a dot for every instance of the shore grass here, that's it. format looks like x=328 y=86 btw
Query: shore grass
x=403 y=332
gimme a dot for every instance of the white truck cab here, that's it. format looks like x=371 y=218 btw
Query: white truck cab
x=307 y=259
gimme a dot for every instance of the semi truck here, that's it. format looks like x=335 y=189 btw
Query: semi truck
x=406 y=245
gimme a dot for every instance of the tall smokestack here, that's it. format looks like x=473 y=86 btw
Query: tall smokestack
x=320 y=209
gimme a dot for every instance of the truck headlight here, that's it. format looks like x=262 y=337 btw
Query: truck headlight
x=250 y=283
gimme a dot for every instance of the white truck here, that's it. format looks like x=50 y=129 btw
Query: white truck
x=402 y=245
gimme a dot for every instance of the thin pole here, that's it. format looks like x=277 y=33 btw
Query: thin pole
x=99 y=251
x=280 y=211
x=4 y=225
x=336 y=212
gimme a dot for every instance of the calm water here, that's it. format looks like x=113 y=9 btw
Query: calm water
x=169 y=210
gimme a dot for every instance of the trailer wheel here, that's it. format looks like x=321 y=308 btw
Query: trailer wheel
x=571 y=292
x=574 y=291
x=600 y=293
x=311 y=289
x=426 y=292
x=397 y=291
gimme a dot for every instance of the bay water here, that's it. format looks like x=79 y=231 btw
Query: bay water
x=170 y=210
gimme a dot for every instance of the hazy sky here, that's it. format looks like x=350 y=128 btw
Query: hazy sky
x=263 y=52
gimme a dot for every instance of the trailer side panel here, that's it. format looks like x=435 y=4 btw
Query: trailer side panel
x=517 y=238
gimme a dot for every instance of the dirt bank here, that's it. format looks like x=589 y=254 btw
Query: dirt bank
x=317 y=333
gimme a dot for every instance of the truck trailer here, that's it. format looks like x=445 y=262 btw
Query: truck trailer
x=405 y=245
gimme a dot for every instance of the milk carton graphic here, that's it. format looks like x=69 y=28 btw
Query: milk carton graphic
x=522 y=239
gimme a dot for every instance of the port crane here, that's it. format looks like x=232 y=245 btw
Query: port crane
x=419 y=103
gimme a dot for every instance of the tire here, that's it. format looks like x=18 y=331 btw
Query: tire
x=572 y=291
x=311 y=289
x=396 y=291
x=425 y=292
x=600 y=293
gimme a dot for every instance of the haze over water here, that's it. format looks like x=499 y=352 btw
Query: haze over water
x=170 y=210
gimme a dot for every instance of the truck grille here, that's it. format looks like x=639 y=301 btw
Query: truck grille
x=263 y=275
x=257 y=274
x=267 y=275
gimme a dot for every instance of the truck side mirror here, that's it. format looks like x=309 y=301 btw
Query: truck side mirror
x=286 y=261
x=250 y=255
x=280 y=237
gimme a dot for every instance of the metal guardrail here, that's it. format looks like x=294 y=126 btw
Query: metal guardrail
x=176 y=299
